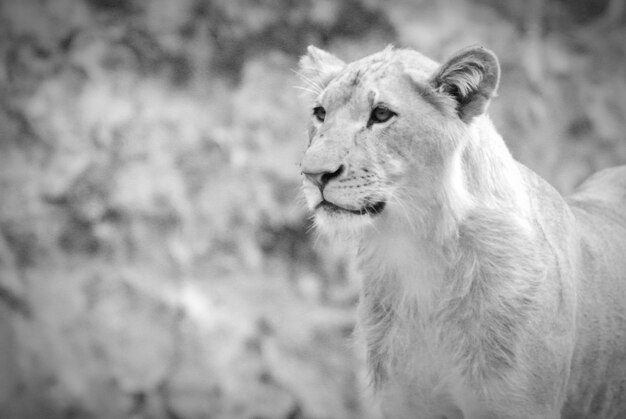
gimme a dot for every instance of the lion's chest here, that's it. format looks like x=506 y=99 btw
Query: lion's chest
x=413 y=353
x=424 y=379
x=422 y=343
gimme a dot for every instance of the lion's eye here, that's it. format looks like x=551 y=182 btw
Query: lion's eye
x=319 y=113
x=380 y=114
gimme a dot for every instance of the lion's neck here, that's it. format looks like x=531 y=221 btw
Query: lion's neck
x=491 y=175
x=408 y=268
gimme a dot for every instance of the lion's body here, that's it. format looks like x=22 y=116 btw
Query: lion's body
x=485 y=294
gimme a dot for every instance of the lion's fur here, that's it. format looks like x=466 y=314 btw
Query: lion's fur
x=485 y=294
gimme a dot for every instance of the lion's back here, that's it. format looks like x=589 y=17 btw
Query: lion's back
x=599 y=206
x=599 y=364
x=608 y=186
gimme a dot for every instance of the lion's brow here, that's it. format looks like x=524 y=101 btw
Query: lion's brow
x=338 y=97
x=371 y=97
x=341 y=90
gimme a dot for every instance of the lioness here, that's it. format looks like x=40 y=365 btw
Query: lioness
x=485 y=294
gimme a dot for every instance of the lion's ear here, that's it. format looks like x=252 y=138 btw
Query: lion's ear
x=317 y=68
x=471 y=78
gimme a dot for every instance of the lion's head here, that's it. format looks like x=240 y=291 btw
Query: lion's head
x=387 y=133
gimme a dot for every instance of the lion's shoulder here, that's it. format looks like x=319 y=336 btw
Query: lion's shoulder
x=607 y=186
x=600 y=201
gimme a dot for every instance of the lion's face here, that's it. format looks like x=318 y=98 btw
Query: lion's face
x=385 y=132
x=380 y=132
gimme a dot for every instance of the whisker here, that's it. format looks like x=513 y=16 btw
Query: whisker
x=306 y=89
x=309 y=81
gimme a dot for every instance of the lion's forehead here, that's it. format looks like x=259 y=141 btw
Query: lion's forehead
x=357 y=82
x=362 y=79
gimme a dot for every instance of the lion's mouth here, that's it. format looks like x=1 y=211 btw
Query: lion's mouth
x=369 y=209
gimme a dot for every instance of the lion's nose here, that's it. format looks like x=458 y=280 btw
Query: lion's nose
x=322 y=178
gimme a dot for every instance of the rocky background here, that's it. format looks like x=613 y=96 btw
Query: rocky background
x=154 y=254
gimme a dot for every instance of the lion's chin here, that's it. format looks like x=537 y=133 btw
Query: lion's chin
x=332 y=219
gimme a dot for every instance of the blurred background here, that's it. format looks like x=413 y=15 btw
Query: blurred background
x=155 y=259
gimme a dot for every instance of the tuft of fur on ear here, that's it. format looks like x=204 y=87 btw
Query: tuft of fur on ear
x=317 y=68
x=471 y=78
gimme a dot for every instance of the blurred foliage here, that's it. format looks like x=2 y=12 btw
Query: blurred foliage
x=154 y=255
